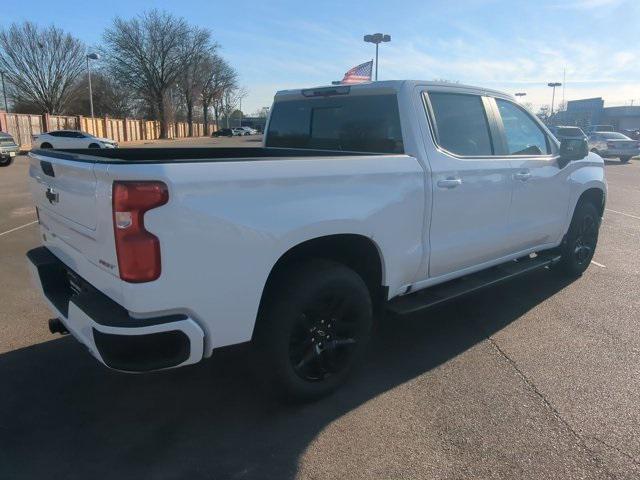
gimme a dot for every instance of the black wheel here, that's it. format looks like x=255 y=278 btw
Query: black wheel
x=46 y=145
x=581 y=240
x=313 y=329
x=94 y=145
x=5 y=161
x=625 y=159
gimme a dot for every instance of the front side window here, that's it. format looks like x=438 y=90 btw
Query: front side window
x=462 y=126
x=523 y=135
x=358 y=123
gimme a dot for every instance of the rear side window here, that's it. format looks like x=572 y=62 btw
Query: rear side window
x=523 y=135
x=359 y=123
x=462 y=126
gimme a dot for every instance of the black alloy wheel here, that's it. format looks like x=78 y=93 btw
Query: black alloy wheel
x=585 y=241
x=324 y=338
x=313 y=329
x=581 y=240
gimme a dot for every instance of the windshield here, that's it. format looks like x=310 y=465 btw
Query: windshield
x=364 y=123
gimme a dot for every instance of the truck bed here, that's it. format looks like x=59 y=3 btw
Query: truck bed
x=174 y=155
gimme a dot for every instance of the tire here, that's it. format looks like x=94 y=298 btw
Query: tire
x=46 y=145
x=6 y=161
x=625 y=159
x=94 y=145
x=313 y=329
x=582 y=238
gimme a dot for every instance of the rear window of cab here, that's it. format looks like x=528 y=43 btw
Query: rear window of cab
x=354 y=123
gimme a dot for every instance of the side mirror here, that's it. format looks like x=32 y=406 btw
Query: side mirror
x=572 y=149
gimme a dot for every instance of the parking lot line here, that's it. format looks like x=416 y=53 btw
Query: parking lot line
x=598 y=264
x=622 y=213
x=18 y=228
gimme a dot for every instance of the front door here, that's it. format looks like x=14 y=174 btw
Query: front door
x=540 y=190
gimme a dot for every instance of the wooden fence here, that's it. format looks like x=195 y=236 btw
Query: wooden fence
x=24 y=126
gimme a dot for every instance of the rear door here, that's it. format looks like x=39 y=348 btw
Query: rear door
x=540 y=190
x=471 y=185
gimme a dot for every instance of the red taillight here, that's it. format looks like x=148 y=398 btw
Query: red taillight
x=138 y=250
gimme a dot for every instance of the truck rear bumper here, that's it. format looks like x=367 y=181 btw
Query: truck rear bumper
x=116 y=339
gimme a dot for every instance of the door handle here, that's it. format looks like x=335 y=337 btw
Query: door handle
x=450 y=182
x=524 y=176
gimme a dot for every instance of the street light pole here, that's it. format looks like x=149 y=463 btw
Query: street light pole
x=377 y=38
x=4 y=92
x=520 y=95
x=91 y=56
x=553 y=94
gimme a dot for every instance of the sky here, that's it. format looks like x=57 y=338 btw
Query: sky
x=513 y=46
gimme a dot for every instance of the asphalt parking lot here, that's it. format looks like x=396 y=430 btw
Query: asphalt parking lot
x=537 y=378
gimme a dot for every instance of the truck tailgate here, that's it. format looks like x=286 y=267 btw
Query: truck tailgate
x=74 y=208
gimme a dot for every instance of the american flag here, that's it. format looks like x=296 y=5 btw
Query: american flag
x=359 y=74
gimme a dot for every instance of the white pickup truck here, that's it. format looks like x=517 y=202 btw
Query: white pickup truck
x=395 y=194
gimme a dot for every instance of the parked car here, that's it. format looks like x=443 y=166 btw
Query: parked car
x=614 y=145
x=223 y=132
x=600 y=128
x=8 y=149
x=71 y=139
x=632 y=134
x=562 y=132
x=393 y=195
x=249 y=130
x=239 y=132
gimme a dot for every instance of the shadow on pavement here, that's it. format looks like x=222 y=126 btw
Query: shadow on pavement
x=64 y=416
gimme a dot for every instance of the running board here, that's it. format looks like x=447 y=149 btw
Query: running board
x=444 y=292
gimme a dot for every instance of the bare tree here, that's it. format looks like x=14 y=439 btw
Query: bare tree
x=41 y=64
x=109 y=97
x=262 y=112
x=199 y=48
x=220 y=78
x=543 y=113
x=230 y=100
x=148 y=54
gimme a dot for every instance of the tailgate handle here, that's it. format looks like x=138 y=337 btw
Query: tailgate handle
x=47 y=168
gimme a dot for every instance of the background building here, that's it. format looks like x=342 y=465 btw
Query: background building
x=591 y=111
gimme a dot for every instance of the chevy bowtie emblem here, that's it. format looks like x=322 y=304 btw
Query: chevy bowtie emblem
x=52 y=195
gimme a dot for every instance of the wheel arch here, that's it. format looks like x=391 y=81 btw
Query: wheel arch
x=356 y=251
x=594 y=194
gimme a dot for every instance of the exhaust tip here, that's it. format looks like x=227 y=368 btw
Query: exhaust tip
x=56 y=326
